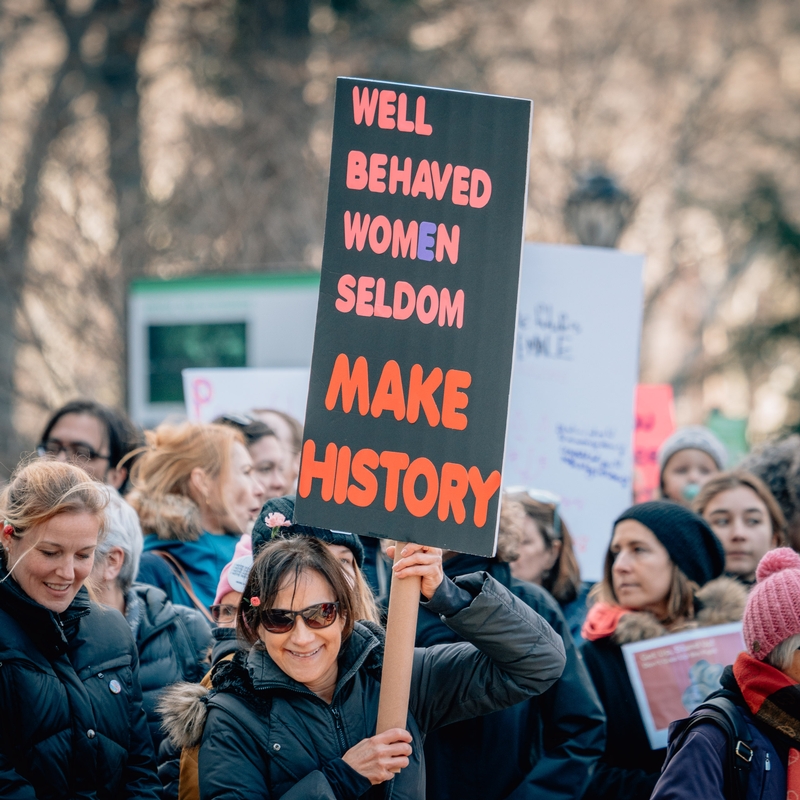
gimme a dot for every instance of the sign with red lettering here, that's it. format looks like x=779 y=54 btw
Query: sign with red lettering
x=410 y=376
x=655 y=423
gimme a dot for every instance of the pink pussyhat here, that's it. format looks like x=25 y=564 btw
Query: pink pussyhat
x=772 y=613
x=243 y=559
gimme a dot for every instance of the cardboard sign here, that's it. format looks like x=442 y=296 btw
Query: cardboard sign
x=672 y=675
x=211 y=392
x=408 y=399
x=570 y=430
x=655 y=423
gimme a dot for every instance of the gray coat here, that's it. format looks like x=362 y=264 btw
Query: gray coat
x=266 y=736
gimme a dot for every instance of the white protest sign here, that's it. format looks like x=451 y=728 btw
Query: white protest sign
x=672 y=675
x=211 y=392
x=576 y=366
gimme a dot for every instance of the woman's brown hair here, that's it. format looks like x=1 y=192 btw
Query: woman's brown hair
x=726 y=481
x=281 y=563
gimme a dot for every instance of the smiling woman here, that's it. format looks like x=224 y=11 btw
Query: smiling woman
x=68 y=728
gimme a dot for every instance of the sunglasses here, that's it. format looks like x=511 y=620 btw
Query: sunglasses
x=224 y=613
x=321 y=615
x=76 y=450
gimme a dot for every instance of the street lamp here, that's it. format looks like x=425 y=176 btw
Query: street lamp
x=598 y=210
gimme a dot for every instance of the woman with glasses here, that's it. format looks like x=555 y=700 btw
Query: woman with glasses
x=71 y=717
x=195 y=494
x=294 y=717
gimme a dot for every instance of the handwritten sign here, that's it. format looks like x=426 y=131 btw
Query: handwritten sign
x=655 y=423
x=211 y=392
x=407 y=406
x=672 y=675
x=577 y=359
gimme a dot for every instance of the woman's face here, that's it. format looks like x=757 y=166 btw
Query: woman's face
x=535 y=557
x=52 y=560
x=642 y=570
x=306 y=654
x=268 y=459
x=741 y=521
x=242 y=495
x=685 y=473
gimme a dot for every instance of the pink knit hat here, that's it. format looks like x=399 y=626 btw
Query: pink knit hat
x=772 y=613
x=243 y=559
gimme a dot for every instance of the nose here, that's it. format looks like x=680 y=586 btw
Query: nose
x=738 y=531
x=62 y=455
x=301 y=633
x=621 y=563
x=66 y=569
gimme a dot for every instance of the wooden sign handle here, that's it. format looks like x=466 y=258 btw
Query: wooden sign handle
x=398 y=655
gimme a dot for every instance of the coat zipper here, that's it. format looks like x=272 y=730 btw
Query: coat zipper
x=767 y=766
x=339 y=731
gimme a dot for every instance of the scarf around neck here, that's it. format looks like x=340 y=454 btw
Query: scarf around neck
x=602 y=621
x=774 y=699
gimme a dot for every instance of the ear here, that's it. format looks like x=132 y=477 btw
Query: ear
x=112 y=564
x=200 y=486
x=116 y=477
x=553 y=553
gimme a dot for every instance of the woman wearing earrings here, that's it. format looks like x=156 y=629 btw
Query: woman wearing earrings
x=70 y=701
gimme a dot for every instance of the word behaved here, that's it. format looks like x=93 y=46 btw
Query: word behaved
x=445 y=489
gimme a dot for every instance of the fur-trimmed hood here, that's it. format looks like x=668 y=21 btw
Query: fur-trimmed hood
x=172 y=517
x=718 y=602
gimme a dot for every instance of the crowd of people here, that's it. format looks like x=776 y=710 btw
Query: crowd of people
x=168 y=631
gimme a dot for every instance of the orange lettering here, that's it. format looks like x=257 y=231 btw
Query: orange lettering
x=452 y=491
x=310 y=469
x=420 y=467
x=363 y=462
x=453 y=399
x=483 y=493
x=389 y=394
x=420 y=393
x=394 y=464
x=349 y=384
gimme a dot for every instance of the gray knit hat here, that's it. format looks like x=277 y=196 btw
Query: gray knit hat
x=693 y=437
x=285 y=505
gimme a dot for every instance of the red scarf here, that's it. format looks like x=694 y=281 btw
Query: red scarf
x=774 y=698
x=601 y=621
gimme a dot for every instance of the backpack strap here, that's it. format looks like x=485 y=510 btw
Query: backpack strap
x=176 y=568
x=722 y=712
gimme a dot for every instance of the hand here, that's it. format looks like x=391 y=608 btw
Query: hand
x=418 y=559
x=380 y=757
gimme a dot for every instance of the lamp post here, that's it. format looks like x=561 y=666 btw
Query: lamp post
x=598 y=210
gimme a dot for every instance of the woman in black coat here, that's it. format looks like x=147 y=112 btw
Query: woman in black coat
x=295 y=716
x=70 y=701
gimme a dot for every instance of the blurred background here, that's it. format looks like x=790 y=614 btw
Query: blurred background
x=155 y=140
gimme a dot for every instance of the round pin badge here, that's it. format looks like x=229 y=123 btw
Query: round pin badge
x=114 y=687
x=238 y=573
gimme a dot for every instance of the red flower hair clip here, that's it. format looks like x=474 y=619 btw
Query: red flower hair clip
x=255 y=602
x=8 y=528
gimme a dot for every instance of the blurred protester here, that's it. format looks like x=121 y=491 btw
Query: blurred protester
x=778 y=465
x=173 y=641
x=545 y=747
x=658 y=578
x=687 y=460
x=294 y=717
x=743 y=513
x=764 y=685
x=290 y=431
x=195 y=495
x=275 y=520
x=96 y=438
x=70 y=701
x=266 y=449
x=545 y=554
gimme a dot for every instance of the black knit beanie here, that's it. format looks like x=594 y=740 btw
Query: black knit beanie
x=285 y=505
x=690 y=542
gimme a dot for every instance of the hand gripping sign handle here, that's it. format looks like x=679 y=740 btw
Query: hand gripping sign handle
x=398 y=656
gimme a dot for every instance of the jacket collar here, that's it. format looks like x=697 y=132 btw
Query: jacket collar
x=464 y=564
x=50 y=632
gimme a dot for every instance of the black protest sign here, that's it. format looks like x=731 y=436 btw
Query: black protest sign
x=408 y=399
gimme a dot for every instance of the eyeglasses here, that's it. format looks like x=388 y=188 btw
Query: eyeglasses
x=545 y=498
x=77 y=450
x=224 y=613
x=318 y=616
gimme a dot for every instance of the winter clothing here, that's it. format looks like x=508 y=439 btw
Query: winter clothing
x=267 y=736
x=70 y=703
x=773 y=607
x=693 y=437
x=629 y=769
x=574 y=611
x=689 y=540
x=243 y=559
x=203 y=560
x=173 y=644
x=544 y=748
x=285 y=505
x=697 y=768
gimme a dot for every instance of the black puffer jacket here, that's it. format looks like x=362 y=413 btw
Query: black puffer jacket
x=173 y=644
x=267 y=736
x=71 y=718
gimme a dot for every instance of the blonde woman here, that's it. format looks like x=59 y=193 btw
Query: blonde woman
x=195 y=493
x=70 y=701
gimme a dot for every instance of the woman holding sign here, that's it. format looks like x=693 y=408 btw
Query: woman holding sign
x=658 y=579
x=295 y=716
